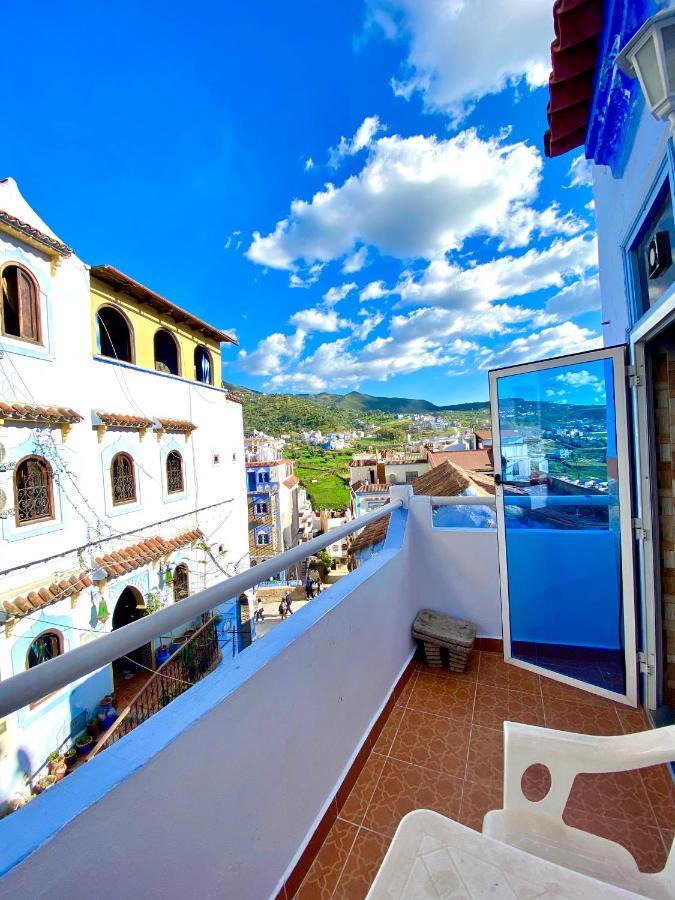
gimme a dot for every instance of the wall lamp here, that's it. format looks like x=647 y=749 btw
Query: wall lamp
x=649 y=56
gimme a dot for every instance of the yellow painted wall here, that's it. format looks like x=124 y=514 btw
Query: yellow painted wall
x=145 y=321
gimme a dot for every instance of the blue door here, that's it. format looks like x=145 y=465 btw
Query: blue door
x=560 y=444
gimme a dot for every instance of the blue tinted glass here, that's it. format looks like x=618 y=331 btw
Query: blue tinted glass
x=562 y=532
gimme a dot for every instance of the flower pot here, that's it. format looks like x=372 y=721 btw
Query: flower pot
x=190 y=633
x=70 y=757
x=94 y=728
x=84 y=744
x=59 y=771
x=162 y=653
x=106 y=702
x=44 y=784
x=177 y=643
x=108 y=720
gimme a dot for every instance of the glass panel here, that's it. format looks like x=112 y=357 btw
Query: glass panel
x=561 y=515
x=654 y=251
x=464 y=517
x=647 y=64
x=668 y=38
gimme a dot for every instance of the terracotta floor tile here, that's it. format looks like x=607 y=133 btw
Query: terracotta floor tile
x=495 y=705
x=617 y=795
x=493 y=670
x=450 y=697
x=536 y=782
x=403 y=788
x=432 y=741
x=485 y=762
x=477 y=800
x=661 y=792
x=388 y=733
x=584 y=718
x=645 y=844
x=356 y=804
x=404 y=696
x=557 y=690
x=320 y=881
x=667 y=835
x=365 y=859
x=633 y=720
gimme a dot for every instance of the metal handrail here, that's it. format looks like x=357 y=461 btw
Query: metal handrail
x=33 y=684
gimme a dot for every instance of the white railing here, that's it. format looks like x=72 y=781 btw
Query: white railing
x=33 y=684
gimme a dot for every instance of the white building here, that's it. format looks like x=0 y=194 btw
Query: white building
x=121 y=483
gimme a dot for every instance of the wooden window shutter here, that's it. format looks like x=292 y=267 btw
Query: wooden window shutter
x=27 y=306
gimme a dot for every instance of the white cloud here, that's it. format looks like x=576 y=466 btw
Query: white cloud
x=370 y=322
x=367 y=130
x=336 y=294
x=447 y=284
x=309 y=164
x=310 y=277
x=580 y=172
x=356 y=261
x=442 y=323
x=414 y=197
x=554 y=341
x=373 y=291
x=460 y=50
x=578 y=379
x=580 y=297
x=273 y=353
x=316 y=319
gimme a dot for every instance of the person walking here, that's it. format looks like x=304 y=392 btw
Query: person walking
x=316 y=587
x=259 y=611
x=289 y=601
x=309 y=588
x=283 y=612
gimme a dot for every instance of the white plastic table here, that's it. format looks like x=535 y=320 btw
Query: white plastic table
x=434 y=857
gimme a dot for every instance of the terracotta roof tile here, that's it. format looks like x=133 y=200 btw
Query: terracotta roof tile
x=291 y=482
x=574 y=55
x=120 y=420
x=25 y=412
x=46 y=595
x=34 y=233
x=235 y=398
x=181 y=425
x=475 y=460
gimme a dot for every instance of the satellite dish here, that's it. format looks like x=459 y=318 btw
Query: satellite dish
x=3 y=500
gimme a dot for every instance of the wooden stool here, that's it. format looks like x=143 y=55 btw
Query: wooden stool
x=438 y=632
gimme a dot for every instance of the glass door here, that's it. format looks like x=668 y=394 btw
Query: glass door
x=560 y=444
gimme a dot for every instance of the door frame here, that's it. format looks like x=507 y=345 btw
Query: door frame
x=623 y=445
x=650 y=326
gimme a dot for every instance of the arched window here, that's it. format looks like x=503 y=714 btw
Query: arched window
x=175 y=482
x=20 y=304
x=33 y=490
x=203 y=367
x=166 y=353
x=43 y=648
x=113 y=334
x=123 y=477
x=181 y=582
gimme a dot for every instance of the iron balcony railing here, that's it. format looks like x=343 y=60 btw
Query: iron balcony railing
x=33 y=684
x=188 y=665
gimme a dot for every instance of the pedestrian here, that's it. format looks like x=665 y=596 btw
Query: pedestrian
x=316 y=587
x=259 y=611
x=309 y=588
x=320 y=587
x=288 y=601
x=283 y=612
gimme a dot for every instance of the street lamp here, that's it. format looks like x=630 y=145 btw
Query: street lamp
x=649 y=56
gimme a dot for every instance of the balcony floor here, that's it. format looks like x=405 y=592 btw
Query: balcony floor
x=441 y=748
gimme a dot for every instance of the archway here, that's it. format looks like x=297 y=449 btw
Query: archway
x=129 y=608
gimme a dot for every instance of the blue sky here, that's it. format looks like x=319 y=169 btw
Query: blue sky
x=357 y=189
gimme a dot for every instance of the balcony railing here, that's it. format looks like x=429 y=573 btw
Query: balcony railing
x=188 y=665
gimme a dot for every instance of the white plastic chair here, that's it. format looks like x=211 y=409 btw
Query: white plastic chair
x=537 y=826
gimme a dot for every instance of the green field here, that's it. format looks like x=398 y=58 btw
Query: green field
x=324 y=473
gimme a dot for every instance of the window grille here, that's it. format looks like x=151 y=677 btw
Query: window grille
x=123 y=479
x=174 y=473
x=33 y=482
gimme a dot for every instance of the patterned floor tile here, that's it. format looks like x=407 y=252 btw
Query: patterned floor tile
x=432 y=741
x=469 y=673
x=477 y=800
x=388 y=733
x=584 y=718
x=403 y=788
x=450 y=697
x=645 y=844
x=633 y=720
x=493 y=670
x=536 y=782
x=322 y=878
x=495 y=705
x=365 y=859
x=404 y=696
x=356 y=804
x=661 y=792
x=617 y=795
x=557 y=690
x=485 y=762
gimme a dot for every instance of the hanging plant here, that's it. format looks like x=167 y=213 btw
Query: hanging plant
x=168 y=577
x=103 y=614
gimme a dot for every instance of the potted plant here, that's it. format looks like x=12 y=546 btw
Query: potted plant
x=84 y=744
x=94 y=727
x=57 y=765
x=44 y=783
x=70 y=757
x=162 y=653
x=107 y=714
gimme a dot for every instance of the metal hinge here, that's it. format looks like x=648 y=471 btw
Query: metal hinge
x=634 y=379
x=645 y=667
x=639 y=530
